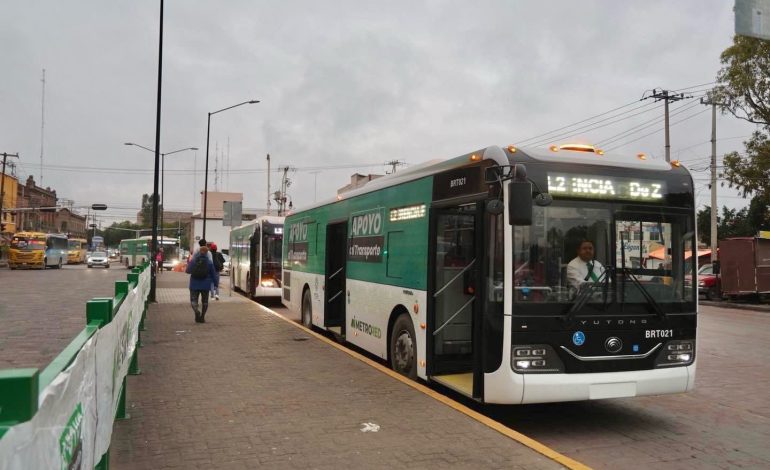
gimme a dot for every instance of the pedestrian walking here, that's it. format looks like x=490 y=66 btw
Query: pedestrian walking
x=219 y=264
x=202 y=276
x=159 y=261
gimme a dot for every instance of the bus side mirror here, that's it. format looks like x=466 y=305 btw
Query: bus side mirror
x=520 y=203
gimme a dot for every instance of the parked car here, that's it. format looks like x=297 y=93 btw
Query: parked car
x=225 y=265
x=98 y=258
x=709 y=283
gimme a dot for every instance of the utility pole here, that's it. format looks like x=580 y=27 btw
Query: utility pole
x=666 y=96
x=2 y=187
x=268 y=184
x=42 y=130
x=280 y=196
x=713 y=185
x=393 y=164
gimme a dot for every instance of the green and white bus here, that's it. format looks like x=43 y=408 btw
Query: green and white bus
x=455 y=272
x=135 y=251
x=255 y=257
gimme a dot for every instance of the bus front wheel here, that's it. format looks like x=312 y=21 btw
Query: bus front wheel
x=307 y=310
x=403 y=347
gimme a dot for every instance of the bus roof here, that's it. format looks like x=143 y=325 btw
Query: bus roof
x=591 y=158
x=418 y=171
x=272 y=219
x=501 y=157
x=39 y=235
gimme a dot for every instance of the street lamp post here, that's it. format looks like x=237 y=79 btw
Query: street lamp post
x=162 y=176
x=206 y=173
x=162 y=180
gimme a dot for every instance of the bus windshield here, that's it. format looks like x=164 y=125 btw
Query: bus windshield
x=27 y=244
x=639 y=261
x=271 y=252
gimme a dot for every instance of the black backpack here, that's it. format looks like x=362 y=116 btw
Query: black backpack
x=200 y=269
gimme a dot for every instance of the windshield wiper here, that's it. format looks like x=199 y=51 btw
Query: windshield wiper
x=585 y=292
x=645 y=293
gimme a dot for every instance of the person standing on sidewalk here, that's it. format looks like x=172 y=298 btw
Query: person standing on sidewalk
x=202 y=275
x=219 y=263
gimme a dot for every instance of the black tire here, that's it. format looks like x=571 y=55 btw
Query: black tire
x=713 y=293
x=89 y=266
x=403 y=347
x=60 y=264
x=307 y=310
x=45 y=264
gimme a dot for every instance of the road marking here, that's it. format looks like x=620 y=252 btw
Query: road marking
x=504 y=430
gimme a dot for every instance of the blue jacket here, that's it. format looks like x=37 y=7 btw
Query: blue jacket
x=201 y=284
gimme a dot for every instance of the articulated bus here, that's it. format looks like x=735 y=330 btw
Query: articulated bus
x=38 y=250
x=255 y=257
x=455 y=272
x=78 y=247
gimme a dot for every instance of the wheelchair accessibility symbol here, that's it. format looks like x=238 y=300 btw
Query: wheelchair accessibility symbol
x=578 y=338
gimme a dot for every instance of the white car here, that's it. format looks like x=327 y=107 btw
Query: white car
x=98 y=258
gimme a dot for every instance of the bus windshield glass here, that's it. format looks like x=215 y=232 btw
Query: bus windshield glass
x=27 y=244
x=272 y=243
x=606 y=258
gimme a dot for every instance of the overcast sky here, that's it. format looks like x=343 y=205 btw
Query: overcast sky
x=345 y=86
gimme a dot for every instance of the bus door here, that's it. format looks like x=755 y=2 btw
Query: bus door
x=253 y=276
x=454 y=298
x=336 y=257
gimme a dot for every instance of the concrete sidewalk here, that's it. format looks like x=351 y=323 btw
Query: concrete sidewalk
x=248 y=389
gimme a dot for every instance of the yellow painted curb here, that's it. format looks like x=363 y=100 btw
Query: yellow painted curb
x=504 y=430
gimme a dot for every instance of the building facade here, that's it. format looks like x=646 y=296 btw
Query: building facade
x=9 y=197
x=32 y=197
x=70 y=223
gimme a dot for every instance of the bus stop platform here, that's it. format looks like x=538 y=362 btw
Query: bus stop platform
x=249 y=388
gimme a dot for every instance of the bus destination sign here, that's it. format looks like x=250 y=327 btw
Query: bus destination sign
x=605 y=187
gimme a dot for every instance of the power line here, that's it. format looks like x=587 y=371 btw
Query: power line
x=588 y=127
x=655 y=132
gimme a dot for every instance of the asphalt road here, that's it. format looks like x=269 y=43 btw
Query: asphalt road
x=41 y=311
x=723 y=423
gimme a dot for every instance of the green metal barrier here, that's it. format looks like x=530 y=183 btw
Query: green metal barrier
x=20 y=388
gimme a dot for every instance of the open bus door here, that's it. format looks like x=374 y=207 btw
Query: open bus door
x=454 y=295
x=253 y=275
x=334 y=292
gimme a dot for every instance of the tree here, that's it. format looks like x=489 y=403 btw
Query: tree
x=120 y=231
x=733 y=222
x=744 y=91
x=147 y=202
x=704 y=225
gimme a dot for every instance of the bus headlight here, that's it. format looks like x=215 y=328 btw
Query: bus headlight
x=676 y=353
x=268 y=282
x=534 y=359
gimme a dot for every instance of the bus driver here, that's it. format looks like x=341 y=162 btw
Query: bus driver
x=584 y=268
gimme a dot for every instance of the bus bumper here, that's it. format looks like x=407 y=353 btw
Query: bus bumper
x=267 y=291
x=546 y=388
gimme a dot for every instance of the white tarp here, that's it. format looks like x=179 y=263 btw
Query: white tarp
x=73 y=426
